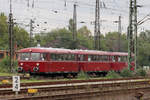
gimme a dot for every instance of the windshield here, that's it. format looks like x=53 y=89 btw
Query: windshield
x=35 y=56
x=24 y=56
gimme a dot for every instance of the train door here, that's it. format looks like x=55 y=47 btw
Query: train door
x=44 y=59
x=115 y=63
x=81 y=62
x=51 y=59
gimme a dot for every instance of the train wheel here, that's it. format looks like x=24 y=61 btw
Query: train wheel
x=65 y=75
x=74 y=75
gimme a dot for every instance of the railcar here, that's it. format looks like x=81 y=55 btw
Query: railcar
x=57 y=61
x=97 y=62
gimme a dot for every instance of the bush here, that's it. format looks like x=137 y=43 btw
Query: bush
x=126 y=73
x=83 y=75
x=141 y=72
x=112 y=74
x=5 y=65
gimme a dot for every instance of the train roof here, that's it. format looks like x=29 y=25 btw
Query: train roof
x=51 y=50
x=95 y=52
x=76 y=51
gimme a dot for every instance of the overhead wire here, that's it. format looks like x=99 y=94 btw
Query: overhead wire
x=80 y=3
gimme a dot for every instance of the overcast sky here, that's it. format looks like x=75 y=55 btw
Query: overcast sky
x=43 y=13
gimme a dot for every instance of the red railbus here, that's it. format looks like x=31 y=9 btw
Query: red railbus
x=65 y=61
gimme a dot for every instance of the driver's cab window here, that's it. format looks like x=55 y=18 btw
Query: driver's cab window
x=35 y=56
x=119 y=59
x=44 y=56
x=113 y=58
x=81 y=57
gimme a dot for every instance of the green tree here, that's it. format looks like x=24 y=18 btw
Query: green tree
x=3 y=32
x=111 y=42
x=21 y=37
x=62 y=38
x=84 y=31
x=143 y=48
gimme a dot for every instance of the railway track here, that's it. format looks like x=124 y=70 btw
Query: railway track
x=67 y=82
x=75 y=95
x=10 y=77
x=77 y=87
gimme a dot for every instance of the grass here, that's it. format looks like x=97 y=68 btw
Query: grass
x=33 y=80
x=52 y=80
x=6 y=74
x=37 y=79
x=81 y=76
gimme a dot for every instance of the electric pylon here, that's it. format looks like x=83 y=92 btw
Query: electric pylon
x=11 y=44
x=75 y=23
x=132 y=33
x=97 y=26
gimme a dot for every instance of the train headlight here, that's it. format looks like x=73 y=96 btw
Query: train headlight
x=21 y=64
x=35 y=69
x=37 y=64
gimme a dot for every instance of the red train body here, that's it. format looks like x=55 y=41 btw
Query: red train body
x=61 y=61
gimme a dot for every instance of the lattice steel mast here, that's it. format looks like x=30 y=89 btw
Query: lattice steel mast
x=132 y=33
x=97 y=26
x=11 y=44
x=75 y=23
x=119 y=34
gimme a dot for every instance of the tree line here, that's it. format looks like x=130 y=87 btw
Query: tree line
x=62 y=38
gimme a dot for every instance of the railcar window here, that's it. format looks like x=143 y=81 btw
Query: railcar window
x=123 y=58
x=52 y=56
x=65 y=57
x=62 y=57
x=81 y=57
x=24 y=56
x=71 y=57
x=119 y=59
x=113 y=58
x=35 y=56
x=44 y=56
x=89 y=58
x=1 y=55
x=104 y=58
x=94 y=58
x=98 y=58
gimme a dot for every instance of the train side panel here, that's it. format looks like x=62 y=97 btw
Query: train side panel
x=102 y=66
x=63 y=66
x=95 y=66
x=30 y=66
x=118 y=66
